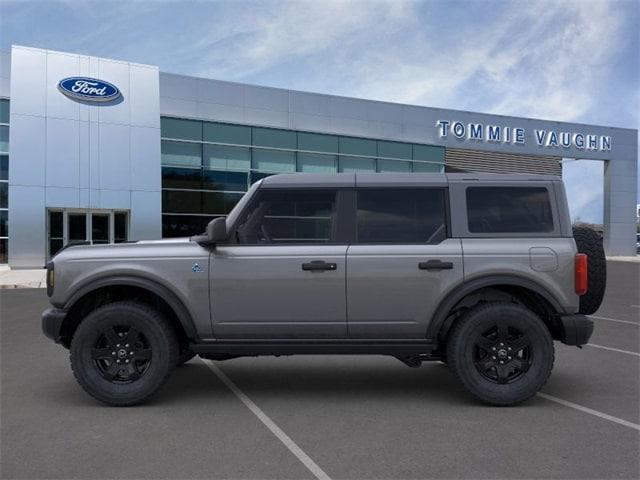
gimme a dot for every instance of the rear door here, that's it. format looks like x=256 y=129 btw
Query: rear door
x=402 y=261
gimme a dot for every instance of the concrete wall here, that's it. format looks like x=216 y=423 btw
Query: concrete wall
x=71 y=154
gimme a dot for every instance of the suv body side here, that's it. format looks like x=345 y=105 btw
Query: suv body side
x=378 y=289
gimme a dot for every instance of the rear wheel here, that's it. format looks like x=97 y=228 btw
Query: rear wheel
x=123 y=352
x=501 y=352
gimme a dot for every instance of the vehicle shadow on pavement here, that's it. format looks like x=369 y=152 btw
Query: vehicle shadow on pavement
x=339 y=379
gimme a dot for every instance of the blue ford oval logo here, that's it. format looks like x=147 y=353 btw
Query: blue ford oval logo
x=89 y=89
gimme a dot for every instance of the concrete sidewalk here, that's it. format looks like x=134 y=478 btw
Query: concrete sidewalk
x=22 y=278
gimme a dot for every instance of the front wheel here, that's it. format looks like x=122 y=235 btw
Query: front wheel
x=501 y=352
x=123 y=352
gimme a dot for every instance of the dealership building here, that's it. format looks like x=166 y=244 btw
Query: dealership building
x=102 y=150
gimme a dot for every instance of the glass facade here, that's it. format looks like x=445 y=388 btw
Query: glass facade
x=4 y=180
x=207 y=166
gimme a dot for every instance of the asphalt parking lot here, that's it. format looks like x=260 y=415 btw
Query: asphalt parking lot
x=327 y=417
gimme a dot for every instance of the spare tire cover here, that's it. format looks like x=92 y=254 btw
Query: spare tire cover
x=589 y=242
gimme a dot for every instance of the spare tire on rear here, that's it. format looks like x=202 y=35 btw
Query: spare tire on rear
x=589 y=242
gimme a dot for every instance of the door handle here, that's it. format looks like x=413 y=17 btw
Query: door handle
x=318 y=266
x=435 y=265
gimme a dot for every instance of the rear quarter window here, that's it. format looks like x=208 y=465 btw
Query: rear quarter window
x=509 y=210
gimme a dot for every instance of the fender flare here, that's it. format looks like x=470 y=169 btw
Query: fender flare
x=182 y=313
x=438 y=323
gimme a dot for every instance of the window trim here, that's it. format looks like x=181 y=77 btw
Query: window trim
x=446 y=205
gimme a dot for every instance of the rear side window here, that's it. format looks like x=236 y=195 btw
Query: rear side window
x=412 y=215
x=509 y=210
x=289 y=217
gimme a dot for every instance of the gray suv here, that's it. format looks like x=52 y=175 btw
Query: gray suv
x=481 y=272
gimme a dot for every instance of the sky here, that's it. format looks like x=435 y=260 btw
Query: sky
x=558 y=60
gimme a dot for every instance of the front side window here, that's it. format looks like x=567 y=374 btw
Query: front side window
x=289 y=217
x=509 y=210
x=411 y=215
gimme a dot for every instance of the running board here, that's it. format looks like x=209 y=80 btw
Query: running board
x=402 y=348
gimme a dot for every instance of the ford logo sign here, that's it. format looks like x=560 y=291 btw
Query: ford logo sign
x=89 y=89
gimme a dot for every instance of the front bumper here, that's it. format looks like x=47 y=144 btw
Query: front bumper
x=52 y=319
x=575 y=329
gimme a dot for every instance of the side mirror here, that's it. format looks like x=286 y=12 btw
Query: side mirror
x=216 y=232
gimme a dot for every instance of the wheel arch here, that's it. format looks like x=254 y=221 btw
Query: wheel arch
x=109 y=289
x=527 y=291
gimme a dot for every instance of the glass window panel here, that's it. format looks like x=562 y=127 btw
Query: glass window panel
x=225 y=133
x=317 y=142
x=428 y=153
x=316 y=163
x=428 y=167
x=4 y=167
x=509 y=210
x=357 y=164
x=274 y=160
x=255 y=176
x=99 y=228
x=4 y=223
x=180 y=153
x=393 y=166
x=184 y=225
x=173 y=177
x=358 y=146
x=219 y=203
x=232 y=158
x=217 y=180
x=177 y=201
x=4 y=251
x=271 y=137
x=120 y=233
x=4 y=194
x=55 y=224
x=401 y=215
x=178 y=128
x=4 y=139
x=285 y=216
x=394 y=150
x=77 y=225
x=54 y=246
x=4 y=111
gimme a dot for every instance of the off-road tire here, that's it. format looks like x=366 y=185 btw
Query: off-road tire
x=462 y=350
x=158 y=336
x=589 y=241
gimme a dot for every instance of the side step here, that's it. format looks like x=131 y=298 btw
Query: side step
x=396 y=348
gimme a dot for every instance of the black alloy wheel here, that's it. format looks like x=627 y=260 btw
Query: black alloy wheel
x=121 y=354
x=502 y=353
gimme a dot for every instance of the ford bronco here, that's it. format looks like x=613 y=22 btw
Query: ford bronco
x=479 y=271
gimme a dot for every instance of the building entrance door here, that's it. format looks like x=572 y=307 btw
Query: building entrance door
x=93 y=226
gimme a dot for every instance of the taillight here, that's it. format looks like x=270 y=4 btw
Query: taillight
x=582 y=273
x=50 y=278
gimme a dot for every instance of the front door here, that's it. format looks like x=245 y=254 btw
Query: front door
x=283 y=275
x=402 y=262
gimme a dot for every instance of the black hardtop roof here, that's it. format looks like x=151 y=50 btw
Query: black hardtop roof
x=288 y=180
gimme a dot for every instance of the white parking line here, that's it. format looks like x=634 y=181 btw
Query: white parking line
x=277 y=431
x=589 y=411
x=615 y=320
x=613 y=349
